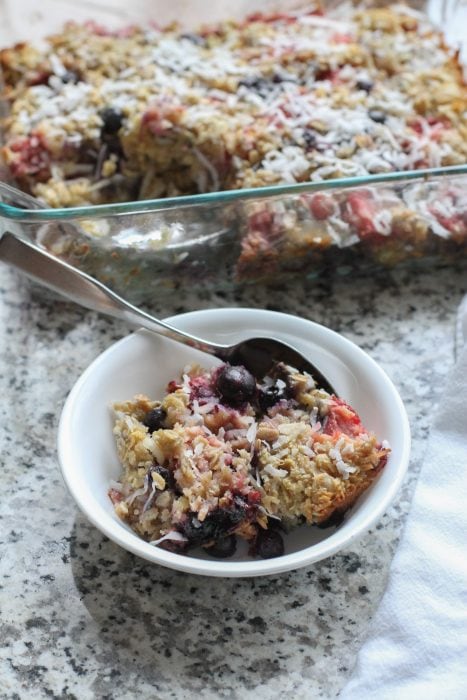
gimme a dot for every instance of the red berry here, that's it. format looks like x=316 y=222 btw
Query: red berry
x=360 y=212
x=254 y=497
x=342 y=419
x=31 y=157
x=261 y=221
x=321 y=206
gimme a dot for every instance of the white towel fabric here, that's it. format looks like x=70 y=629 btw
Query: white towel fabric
x=417 y=644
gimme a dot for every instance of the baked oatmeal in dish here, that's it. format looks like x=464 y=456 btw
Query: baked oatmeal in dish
x=223 y=455
x=148 y=112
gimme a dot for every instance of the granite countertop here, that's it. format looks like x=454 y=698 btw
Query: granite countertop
x=82 y=618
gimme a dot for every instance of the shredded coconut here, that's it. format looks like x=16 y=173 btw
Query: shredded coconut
x=273 y=471
x=174 y=536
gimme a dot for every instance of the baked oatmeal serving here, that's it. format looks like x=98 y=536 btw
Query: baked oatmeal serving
x=223 y=456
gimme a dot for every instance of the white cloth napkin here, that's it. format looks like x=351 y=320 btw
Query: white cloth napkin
x=417 y=644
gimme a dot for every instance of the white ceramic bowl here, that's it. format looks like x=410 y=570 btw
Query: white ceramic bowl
x=144 y=363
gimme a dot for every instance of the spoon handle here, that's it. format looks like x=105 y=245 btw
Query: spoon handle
x=83 y=289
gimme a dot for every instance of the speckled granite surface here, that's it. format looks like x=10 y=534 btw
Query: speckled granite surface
x=81 y=618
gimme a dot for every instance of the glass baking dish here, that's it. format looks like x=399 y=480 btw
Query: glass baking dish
x=145 y=249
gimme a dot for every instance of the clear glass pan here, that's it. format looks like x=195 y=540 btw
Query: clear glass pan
x=223 y=239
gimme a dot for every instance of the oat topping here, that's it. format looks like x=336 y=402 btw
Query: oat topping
x=142 y=113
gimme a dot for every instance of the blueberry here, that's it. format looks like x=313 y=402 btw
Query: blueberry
x=196 y=531
x=216 y=524
x=154 y=419
x=235 y=384
x=269 y=544
x=366 y=85
x=377 y=116
x=223 y=548
x=270 y=396
x=194 y=38
x=310 y=139
x=112 y=120
x=69 y=76
x=281 y=78
x=165 y=473
x=257 y=84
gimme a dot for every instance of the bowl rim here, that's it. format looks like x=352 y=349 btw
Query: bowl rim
x=304 y=557
x=44 y=214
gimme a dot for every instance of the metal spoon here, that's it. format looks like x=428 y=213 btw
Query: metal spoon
x=258 y=355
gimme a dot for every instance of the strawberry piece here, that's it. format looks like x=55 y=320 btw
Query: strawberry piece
x=416 y=125
x=160 y=119
x=342 y=38
x=359 y=212
x=31 y=157
x=201 y=389
x=173 y=386
x=455 y=224
x=261 y=221
x=321 y=206
x=272 y=17
x=436 y=126
x=254 y=497
x=115 y=496
x=331 y=74
x=40 y=77
x=341 y=418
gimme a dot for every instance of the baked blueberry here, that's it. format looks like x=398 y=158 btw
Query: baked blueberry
x=269 y=544
x=309 y=137
x=271 y=395
x=69 y=76
x=215 y=525
x=235 y=384
x=377 y=115
x=366 y=85
x=154 y=419
x=165 y=473
x=112 y=119
x=194 y=38
x=257 y=84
